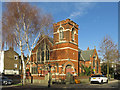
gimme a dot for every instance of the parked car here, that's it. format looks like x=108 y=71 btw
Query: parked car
x=117 y=75
x=98 y=78
x=5 y=80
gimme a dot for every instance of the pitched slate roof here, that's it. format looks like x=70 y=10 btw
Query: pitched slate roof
x=51 y=39
x=79 y=50
x=45 y=36
x=85 y=55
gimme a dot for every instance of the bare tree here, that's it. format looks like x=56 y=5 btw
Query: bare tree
x=108 y=51
x=0 y=35
x=22 y=25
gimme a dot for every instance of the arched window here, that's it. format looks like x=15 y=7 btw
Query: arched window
x=47 y=53
x=38 y=55
x=97 y=66
x=93 y=63
x=61 y=34
x=42 y=53
x=34 y=70
x=73 y=34
x=31 y=58
x=42 y=56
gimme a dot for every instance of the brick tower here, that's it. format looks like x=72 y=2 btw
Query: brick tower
x=65 y=49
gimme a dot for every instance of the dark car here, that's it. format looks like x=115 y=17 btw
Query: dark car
x=5 y=80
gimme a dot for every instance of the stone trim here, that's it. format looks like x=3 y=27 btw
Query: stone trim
x=63 y=30
x=60 y=41
x=55 y=73
x=62 y=74
x=67 y=42
x=63 y=60
x=35 y=74
x=64 y=48
x=60 y=66
x=73 y=42
x=69 y=64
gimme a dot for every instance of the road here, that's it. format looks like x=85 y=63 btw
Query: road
x=111 y=85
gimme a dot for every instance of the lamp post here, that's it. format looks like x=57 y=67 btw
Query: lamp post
x=73 y=72
x=84 y=67
x=49 y=81
x=40 y=73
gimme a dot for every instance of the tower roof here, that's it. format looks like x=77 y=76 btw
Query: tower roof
x=67 y=21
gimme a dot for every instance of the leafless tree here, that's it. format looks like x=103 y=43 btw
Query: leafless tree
x=108 y=51
x=22 y=25
x=0 y=35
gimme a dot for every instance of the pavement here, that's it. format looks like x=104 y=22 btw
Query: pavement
x=24 y=86
x=111 y=84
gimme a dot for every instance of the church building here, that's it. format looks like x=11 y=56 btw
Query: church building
x=59 y=53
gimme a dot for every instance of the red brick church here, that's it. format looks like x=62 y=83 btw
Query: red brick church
x=60 y=52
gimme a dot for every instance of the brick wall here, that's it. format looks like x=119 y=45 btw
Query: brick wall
x=65 y=51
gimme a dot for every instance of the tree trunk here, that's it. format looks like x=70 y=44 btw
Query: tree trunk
x=107 y=69
x=28 y=60
x=23 y=63
x=24 y=71
x=107 y=63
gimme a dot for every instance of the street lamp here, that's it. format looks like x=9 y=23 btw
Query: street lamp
x=94 y=64
x=73 y=72
x=49 y=75
x=40 y=71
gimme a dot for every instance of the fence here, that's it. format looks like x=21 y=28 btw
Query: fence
x=37 y=80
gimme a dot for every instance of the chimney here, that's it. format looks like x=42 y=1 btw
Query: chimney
x=94 y=47
x=88 y=48
x=11 y=48
x=27 y=56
